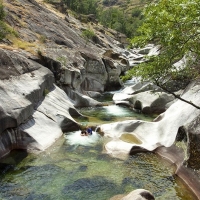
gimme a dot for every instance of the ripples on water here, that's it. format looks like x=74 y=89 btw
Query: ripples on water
x=74 y=169
x=108 y=114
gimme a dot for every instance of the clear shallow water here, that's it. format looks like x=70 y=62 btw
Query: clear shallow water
x=84 y=172
x=75 y=168
x=108 y=114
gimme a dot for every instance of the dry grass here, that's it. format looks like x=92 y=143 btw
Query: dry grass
x=7 y=47
x=22 y=44
x=51 y=8
x=17 y=43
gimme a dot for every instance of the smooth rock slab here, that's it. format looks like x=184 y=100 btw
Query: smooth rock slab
x=158 y=133
x=145 y=97
x=41 y=132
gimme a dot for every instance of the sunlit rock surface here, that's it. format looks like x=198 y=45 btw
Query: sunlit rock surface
x=162 y=131
x=33 y=111
x=161 y=134
x=139 y=194
x=145 y=97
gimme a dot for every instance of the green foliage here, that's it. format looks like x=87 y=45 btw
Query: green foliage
x=120 y=21
x=42 y=38
x=136 y=12
x=4 y=28
x=82 y=6
x=174 y=25
x=39 y=52
x=46 y=91
x=62 y=60
x=88 y=35
x=106 y=2
x=112 y=17
x=2 y=13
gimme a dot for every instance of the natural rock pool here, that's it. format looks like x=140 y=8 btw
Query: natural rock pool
x=77 y=168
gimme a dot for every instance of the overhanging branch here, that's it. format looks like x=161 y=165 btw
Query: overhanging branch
x=176 y=96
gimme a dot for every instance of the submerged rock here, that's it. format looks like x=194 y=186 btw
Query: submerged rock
x=88 y=187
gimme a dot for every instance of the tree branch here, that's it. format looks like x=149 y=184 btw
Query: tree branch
x=176 y=96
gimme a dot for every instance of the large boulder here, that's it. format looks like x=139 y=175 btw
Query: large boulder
x=162 y=131
x=95 y=76
x=33 y=111
x=139 y=194
x=80 y=100
x=58 y=107
x=145 y=97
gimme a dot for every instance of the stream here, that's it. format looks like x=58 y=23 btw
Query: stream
x=77 y=168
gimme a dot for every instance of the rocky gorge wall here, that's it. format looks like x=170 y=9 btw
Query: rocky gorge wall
x=50 y=49
x=174 y=135
x=34 y=112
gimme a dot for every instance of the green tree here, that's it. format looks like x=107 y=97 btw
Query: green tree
x=82 y=6
x=4 y=28
x=2 y=25
x=175 y=26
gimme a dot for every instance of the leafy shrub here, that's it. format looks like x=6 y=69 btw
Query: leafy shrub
x=4 y=28
x=88 y=35
x=136 y=13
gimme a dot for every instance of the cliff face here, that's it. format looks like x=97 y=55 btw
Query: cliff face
x=59 y=41
x=33 y=111
x=50 y=47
